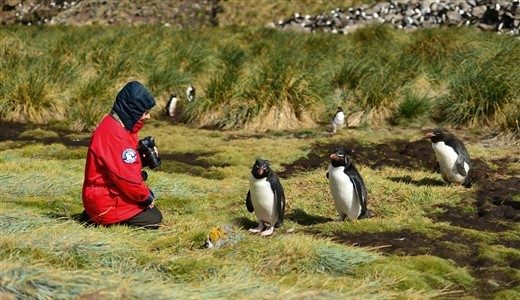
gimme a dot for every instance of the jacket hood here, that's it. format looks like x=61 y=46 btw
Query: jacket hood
x=132 y=102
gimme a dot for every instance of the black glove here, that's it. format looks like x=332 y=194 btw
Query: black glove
x=150 y=199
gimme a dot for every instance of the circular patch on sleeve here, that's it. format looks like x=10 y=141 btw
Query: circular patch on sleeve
x=129 y=156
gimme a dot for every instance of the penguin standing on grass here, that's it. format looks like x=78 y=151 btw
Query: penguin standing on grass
x=347 y=186
x=171 y=105
x=339 y=120
x=452 y=156
x=265 y=198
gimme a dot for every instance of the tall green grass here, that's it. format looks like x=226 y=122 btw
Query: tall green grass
x=247 y=77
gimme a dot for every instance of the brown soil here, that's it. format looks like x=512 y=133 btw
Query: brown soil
x=452 y=245
x=398 y=153
x=456 y=216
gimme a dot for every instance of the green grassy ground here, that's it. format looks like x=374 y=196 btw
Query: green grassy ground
x=46 y=254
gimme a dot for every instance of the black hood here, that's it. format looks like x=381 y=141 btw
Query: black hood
x=132 y=102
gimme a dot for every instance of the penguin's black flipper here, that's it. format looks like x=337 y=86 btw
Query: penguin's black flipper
x=327 y=175
x=279 y=197
x=249 y=204
x=359 y=187
x=460 y=166
x=462 y=153
x=280 y=206
x=362 y=195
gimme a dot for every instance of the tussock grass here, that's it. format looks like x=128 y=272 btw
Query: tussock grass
x=259 y=78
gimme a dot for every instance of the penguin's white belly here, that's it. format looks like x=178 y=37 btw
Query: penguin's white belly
x=345 y=198
x=338 y=121
x=171 y=109
x=447 y=157
x=262 y=197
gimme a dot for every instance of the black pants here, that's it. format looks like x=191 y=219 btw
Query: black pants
x=149 y=218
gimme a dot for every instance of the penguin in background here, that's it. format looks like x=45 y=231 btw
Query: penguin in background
x=338 y=121
x=265 y=198
x=190 y=93
x=452 y=156
x=347 y=186
x=171 y=105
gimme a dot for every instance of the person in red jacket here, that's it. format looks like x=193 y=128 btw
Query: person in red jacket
x=114 y=191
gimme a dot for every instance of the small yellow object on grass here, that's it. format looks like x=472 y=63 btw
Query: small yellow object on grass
x=219 y=236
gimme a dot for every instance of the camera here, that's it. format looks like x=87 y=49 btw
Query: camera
x=146 y=149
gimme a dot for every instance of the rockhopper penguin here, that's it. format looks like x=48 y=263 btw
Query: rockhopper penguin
x=452 y=156
x=265 y=198
x=171 y=105
x=190 y=93
x=338 y=121
x=347 y=186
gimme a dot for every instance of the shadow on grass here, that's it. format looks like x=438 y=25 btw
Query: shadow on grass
x=421 y=182
x=81 y=218
x=245 y=223
x=301 y=217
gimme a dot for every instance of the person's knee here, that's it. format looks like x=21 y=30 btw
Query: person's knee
x=158 y=217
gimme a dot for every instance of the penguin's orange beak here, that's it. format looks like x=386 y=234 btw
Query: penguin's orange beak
x=336 y=157
x=429 y=135
x=261 y=170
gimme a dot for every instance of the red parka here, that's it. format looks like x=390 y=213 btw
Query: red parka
x=113 y=189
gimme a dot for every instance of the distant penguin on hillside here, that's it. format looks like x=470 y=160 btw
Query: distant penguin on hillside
x=265 y=198
x=347 y=186
x=171 y=105
x=190 y=93
x=452 y=156
x=338 y=121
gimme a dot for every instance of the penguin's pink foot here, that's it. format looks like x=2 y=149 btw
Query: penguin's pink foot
x=268 y=231
x=257 y=229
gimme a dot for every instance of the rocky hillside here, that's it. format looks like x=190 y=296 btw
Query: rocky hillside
x=182 y=13
x=336 y=16
x=501 y=16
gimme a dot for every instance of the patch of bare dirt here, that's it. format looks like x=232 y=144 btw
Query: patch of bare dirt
x=179 y=13
x=452 y=245
x=398 y=153
x=456 y=216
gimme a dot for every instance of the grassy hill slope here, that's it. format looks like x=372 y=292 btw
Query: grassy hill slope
x=262 y=78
